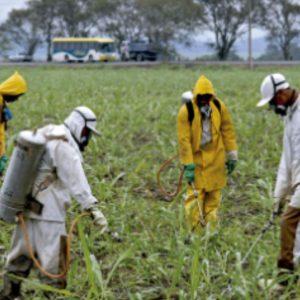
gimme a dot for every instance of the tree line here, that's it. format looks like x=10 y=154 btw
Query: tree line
x=162 y=22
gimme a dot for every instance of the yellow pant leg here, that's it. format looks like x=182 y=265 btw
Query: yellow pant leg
x=212 y=201
x=194 y=210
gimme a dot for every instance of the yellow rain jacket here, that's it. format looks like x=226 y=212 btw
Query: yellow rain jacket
x=210 y=173
x=13 y=86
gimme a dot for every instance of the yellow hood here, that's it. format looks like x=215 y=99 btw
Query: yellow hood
x=14 y=85
x=203 y=86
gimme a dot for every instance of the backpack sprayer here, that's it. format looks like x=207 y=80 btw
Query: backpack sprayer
x=20 y=175
x=16 y=190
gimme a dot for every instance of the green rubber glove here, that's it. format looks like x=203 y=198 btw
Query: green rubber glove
x=189 y=172
x=3 y=162
x=231 y=164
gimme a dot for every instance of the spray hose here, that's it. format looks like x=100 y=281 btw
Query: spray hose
x=179 y=184
x=68 y=246
x=202 y=215
x=266 y=227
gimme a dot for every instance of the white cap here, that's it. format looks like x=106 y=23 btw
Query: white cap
x=186 y=97
x=270 y=85
x=89 y=117
x=79 y=118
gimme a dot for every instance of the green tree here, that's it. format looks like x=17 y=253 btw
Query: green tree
x=121 y=20
x=281 y=19
x=21 y=30
x=164 y=22
x=5 y=43
x=225 y=18
x=75 y=17
x=161 y=22
x=46 y=12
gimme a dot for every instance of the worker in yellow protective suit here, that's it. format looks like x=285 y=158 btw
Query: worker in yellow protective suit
x=207 y=144
x=10 y=90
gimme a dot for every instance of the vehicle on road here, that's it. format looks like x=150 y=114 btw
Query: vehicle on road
x=138 y=51
x=84 y=50
x=20 y=57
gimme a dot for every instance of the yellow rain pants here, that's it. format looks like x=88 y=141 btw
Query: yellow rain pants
x=202 y=210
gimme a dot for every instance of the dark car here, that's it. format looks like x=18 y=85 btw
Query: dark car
x=138 y=51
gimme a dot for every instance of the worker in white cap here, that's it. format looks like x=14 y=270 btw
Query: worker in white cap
x=284 y=101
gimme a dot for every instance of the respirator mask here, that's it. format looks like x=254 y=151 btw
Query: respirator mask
x=203 y=104
x=86 y=135
x=279 y=109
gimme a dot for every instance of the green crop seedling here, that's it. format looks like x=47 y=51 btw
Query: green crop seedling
x=137 y=110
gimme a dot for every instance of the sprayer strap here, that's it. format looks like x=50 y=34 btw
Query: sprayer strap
x=190 y=109
x=22 y=147
x=276 y=84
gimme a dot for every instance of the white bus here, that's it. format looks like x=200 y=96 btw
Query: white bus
x=84 y=49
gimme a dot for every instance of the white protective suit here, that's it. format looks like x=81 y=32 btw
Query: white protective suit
x=60 y=178
x=288 y=176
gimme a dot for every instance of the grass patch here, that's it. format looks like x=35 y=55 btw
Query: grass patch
x=137 y=111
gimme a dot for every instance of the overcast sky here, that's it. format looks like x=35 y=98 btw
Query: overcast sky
x=7 y=5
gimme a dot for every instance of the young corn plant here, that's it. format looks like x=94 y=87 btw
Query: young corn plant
x=137 y=110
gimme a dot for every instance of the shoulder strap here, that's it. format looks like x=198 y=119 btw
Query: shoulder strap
x=56 y=138
x=190 y=108
x=217 y=104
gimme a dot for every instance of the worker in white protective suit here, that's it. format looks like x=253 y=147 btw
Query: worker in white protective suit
x=285 y=101
x=60 y=178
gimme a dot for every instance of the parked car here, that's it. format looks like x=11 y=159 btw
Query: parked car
x=21 y=57
x=138 y=51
